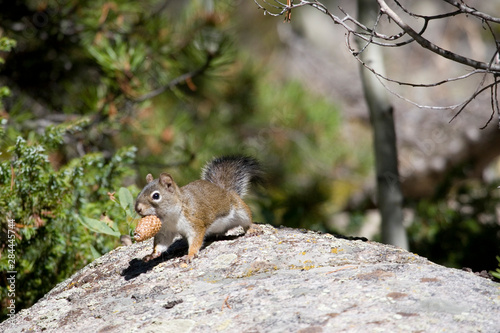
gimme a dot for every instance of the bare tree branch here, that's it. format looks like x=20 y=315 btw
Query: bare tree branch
x=408 y=35
x=425 y=43
x=472 y=11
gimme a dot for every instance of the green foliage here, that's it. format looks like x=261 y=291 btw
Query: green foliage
x=461 y=229
x=44 y=204
x=496 y=273
x=304 y=141
x=126 y=202
x=6 y=45
x=100 y=226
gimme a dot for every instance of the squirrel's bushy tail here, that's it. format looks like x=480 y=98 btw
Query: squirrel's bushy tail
x=234 y=173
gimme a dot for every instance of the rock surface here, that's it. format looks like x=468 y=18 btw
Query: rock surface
x=276 y=280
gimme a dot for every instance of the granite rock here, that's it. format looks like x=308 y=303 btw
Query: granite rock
x=274 y=280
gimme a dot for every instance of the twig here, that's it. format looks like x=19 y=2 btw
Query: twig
x=342 y=268
x=12 y=177
x=469 y=10
x=426 y=44
x=471 y=98
x=225 y=303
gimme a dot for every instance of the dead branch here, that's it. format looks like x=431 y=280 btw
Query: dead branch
x=426 y=44
x=408 y=35
x=472 y=11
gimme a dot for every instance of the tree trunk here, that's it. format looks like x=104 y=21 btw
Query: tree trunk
x=389 y=195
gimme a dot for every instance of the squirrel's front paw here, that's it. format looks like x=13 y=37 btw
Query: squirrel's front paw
x=151 y=256
x=188 y=258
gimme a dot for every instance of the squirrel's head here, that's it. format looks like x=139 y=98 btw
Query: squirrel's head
x=158 y=196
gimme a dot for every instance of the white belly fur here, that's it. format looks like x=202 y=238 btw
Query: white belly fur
x=234 y=219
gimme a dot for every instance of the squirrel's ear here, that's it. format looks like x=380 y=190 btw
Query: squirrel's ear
x=167 y=181
x=149 y=178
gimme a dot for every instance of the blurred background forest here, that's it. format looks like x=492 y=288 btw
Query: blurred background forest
x=96 y=94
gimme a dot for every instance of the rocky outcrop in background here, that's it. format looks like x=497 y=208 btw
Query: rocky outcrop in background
x=277 y=280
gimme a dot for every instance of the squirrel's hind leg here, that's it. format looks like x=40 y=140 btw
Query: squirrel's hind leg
x=249 y=228
x=246 y=221
x=253 y=230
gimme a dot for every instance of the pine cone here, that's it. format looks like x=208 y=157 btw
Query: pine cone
x=147 y=227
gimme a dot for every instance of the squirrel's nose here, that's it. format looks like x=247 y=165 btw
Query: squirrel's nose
x=138 y=208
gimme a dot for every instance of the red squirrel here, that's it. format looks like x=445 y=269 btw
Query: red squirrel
x=211 y=205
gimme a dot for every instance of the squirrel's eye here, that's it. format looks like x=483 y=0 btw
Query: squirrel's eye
x=156 y=196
